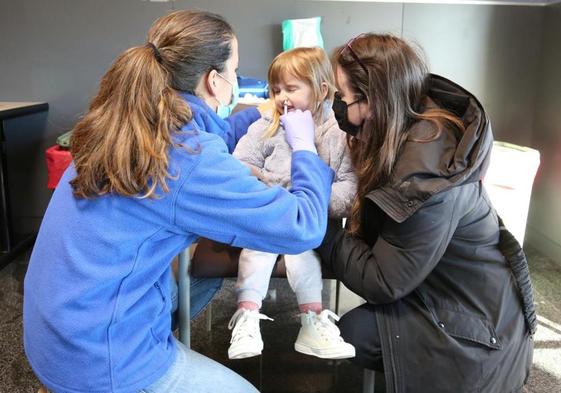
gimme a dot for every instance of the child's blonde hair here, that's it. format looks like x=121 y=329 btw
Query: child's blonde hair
x=310 y=65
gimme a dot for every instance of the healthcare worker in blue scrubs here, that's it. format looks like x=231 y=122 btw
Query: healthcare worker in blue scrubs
x=151 y=173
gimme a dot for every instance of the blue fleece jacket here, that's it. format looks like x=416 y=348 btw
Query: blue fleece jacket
x=96 y=302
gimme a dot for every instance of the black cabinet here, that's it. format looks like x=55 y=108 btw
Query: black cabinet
x=10 y=247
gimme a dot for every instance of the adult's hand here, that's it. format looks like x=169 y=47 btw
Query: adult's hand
x=300 y=130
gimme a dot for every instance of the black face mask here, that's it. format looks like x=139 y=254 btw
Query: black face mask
x=340 y=108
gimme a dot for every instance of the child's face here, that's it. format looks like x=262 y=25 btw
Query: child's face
x=293 y=92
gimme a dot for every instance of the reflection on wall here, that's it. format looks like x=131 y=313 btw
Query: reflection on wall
x=493 y=51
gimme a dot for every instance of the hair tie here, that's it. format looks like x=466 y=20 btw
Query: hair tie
x=157 y=53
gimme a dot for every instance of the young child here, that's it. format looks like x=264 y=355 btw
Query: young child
x=301 y=78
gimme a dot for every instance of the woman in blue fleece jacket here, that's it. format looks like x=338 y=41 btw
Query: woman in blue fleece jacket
x=152 y=172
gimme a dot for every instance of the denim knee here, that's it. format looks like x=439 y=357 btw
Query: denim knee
x=202 y=292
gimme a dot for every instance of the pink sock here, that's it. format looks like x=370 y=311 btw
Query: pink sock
x=315 y=307
x=248 y=305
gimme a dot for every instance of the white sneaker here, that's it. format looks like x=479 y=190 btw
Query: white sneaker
x=246 y=338
x=320 y=337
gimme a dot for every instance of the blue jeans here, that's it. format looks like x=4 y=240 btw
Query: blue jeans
x=202 y=291
x=193 y=372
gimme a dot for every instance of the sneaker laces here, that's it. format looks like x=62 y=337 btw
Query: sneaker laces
x=245 y=323
x=325 y=327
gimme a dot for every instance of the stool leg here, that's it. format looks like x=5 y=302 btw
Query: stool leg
x=184 y=298
x=337 y=295
x=261 y=373
x=209 y=317
x=368 y=381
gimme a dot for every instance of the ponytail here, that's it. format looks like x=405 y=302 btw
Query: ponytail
x=120 y=146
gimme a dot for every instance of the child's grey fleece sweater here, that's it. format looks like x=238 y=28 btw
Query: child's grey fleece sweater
x=272 y=158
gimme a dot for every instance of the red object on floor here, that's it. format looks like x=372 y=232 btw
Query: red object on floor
x=57 y=161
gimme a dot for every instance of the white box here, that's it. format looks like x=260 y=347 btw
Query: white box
x=509 y=181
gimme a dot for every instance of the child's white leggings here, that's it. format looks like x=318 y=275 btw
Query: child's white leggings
x=254 y=273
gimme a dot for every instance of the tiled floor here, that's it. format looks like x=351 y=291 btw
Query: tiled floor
x=280 y=369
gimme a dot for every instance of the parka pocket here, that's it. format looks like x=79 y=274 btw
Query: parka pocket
x=467 y=327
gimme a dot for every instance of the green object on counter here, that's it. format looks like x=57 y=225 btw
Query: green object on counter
x=64 y=140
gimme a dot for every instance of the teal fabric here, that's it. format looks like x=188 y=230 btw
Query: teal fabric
x=293 y=29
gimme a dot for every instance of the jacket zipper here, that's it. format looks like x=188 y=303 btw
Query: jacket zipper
x=385 y=319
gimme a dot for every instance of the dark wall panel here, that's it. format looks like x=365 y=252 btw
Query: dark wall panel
x=493 y=51
x=56 y=51
x=258 y=24
x=544 y=222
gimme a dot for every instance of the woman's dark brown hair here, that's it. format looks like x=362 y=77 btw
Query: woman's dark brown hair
x=392 y=76
x=121 y=144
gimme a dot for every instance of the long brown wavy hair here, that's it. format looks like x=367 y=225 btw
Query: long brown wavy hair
x=393 y=78
x=121 y=144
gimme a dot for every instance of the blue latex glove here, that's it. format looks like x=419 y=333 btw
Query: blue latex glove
x=300 y=130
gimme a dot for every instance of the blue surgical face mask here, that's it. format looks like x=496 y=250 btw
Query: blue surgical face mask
x=223 y=111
